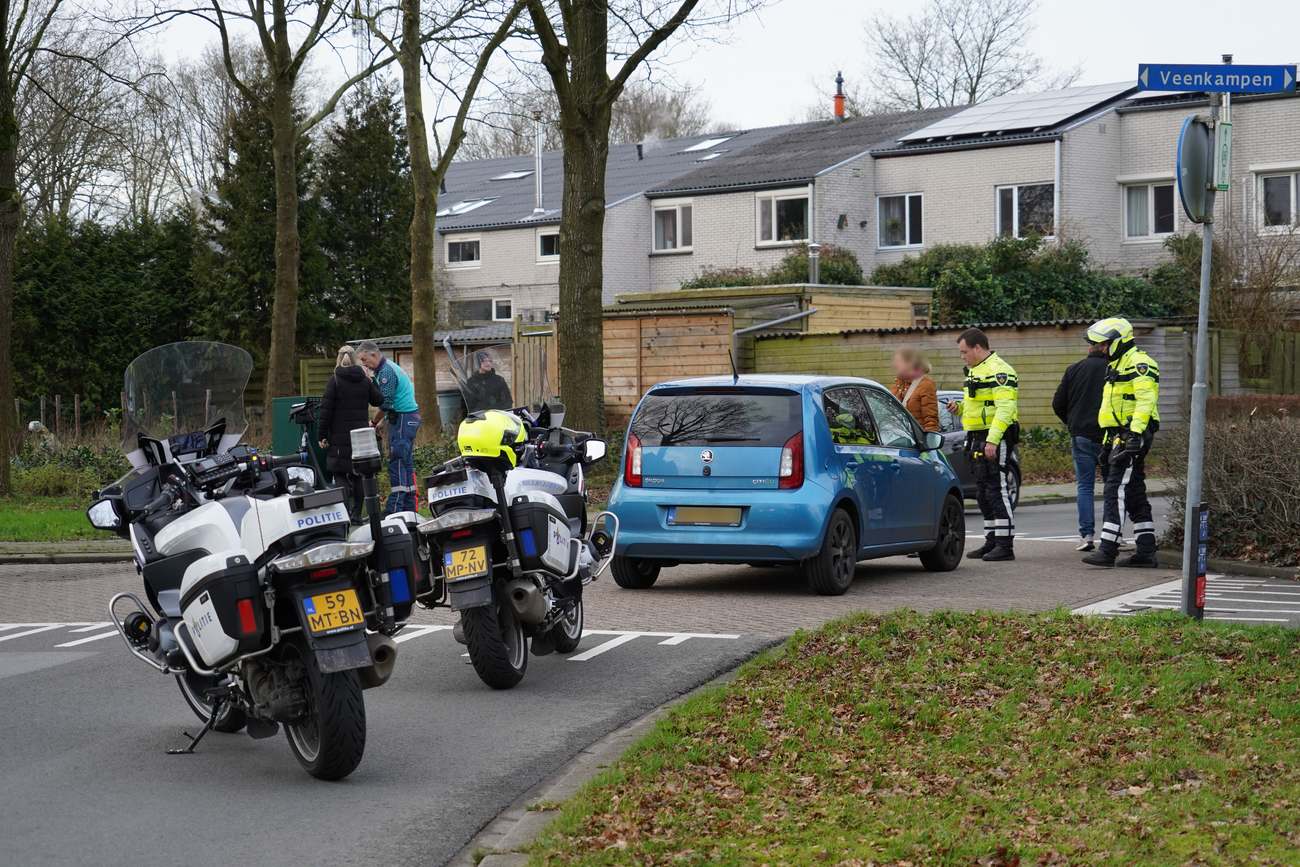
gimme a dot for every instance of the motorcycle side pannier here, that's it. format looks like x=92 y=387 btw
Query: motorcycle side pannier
x=542 y=534
x=224 y=611
x=399 y=557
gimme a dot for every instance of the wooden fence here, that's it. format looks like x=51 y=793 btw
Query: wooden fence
x=649 y=347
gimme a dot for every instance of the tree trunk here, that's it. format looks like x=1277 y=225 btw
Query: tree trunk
x=584 y=128
x=424 y=299
x=284 y=312
x=8 y=235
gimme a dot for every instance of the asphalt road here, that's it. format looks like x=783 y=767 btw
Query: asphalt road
x=84 y=778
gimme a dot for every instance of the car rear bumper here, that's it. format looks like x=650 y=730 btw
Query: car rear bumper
x=775 y=525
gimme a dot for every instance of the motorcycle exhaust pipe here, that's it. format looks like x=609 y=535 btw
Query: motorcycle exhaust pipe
x=383 y=653
x=529 y=603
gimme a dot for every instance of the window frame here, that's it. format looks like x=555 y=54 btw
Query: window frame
x=508 y=300
x=908 y=243
x=775 y=196
x=1151 y=236
x=674 y=205
x=1293 y=175
x=461 y=239
x=542 y=258
x=1015 y=208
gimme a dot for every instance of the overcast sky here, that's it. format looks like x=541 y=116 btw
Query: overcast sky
x=776 y=61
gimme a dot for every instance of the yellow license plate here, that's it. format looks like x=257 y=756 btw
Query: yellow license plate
x=333 y=611
x=706 y=516
x=465 y=563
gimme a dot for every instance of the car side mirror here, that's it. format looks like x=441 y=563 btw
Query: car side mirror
x=594 y=450
x=933 y=441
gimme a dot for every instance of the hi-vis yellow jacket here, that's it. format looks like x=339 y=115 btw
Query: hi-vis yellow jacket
x=992 y=398
x=1131 y=394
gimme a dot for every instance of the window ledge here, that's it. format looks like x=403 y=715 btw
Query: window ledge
x=679 y=251
x=1146 y=240
x=463 y=267
x=766 y=245
x=548 y=260
x=897 y=248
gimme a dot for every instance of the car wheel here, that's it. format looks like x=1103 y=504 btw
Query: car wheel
x=830 y=571
x=951 y=541
x=633 y=574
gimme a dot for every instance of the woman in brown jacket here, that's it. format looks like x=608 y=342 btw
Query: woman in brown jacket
x=914 y=388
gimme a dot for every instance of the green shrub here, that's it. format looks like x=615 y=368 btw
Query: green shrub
x=1241 y=407
x=838 y=266
x=51 y=480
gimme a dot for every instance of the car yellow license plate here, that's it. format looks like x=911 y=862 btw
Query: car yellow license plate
x=333 y=611
x=465 y=563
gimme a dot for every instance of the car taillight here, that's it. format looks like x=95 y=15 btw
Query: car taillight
x=791 y=473
x=632 y=461
x=247 y=617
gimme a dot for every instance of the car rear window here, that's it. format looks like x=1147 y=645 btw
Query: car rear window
x=730 y=416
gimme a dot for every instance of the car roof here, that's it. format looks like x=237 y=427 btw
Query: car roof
x=799 y=382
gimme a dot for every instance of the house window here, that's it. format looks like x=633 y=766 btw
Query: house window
x=1148 y=210
x=1278 y=197
x=471 y=310
x=782 y=217
x=1025 y=210
x=900 y=220
x=462 y=253
x=672 y=226
x=502 y=310
x=548 y=245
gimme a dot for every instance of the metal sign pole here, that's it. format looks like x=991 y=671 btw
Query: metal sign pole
x=1196 y=431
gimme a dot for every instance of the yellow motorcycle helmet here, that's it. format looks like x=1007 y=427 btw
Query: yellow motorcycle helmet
x=491 y=434
x=1114 y=331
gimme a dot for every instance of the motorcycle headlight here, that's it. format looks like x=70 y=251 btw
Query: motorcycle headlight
x=456 y=519
x=322 y=555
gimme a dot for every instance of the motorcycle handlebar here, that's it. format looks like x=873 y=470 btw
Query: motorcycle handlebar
x=164 y=499
x=294 y=460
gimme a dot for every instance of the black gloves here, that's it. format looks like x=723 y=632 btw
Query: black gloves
x=1133 y=442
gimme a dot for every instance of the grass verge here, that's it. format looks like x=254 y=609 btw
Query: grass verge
x=968 y=738
x=46 y=519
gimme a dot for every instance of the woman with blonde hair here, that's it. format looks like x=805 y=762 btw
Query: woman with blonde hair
x=344 y=407
x=914 y=388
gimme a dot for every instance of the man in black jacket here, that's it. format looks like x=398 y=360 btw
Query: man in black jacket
x=1076 y=402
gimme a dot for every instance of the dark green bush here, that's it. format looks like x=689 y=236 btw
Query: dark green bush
x=52 y=480
x=838 y=266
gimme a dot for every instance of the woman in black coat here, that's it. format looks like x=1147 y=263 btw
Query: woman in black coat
x=344 y=407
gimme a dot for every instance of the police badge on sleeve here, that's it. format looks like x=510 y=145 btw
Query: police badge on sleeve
x=1001 y=378
x=1143 y=368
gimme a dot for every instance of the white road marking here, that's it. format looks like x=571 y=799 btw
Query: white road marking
x=42 y=627
x=92 y=627
x=87 y=640
x=1227 y=599
x=605 y=646
x=419 y=630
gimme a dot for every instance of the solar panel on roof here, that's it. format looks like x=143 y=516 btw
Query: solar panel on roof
x=1020 y=112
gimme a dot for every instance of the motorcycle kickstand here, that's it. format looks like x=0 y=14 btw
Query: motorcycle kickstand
x=194 y=739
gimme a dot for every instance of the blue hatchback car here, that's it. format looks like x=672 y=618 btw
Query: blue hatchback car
x=814 y=471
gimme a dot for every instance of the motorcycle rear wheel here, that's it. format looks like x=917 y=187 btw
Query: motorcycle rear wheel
x=567 y=634
x=192 y=686
x=497 y=645
x=331 y=738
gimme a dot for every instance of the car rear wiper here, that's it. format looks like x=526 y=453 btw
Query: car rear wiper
x=730 y=439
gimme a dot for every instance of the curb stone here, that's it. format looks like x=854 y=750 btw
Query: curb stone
x=1234 y=567
x=501 y=843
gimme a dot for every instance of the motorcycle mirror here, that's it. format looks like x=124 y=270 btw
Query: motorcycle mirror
x=594 y=450
x=103 y=516
x=557 y=413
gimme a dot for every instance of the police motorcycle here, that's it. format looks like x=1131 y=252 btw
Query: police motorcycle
x=259 y=603
x=509 y=536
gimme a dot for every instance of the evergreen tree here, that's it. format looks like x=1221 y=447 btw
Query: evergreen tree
x=235 y=270
x=365 y=202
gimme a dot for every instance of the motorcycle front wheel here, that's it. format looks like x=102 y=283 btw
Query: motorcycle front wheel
x=331 y=736
x=497 y=645
x=194 y=689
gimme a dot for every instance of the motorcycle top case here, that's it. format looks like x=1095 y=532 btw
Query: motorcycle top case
x=542 y=534
x=223 y=608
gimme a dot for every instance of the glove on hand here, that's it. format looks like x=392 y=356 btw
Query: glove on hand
x=1133 y=443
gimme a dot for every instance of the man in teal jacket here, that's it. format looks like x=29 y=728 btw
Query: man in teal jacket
x=403 y=417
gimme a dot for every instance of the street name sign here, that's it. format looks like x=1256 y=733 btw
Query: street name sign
x=1217 y=78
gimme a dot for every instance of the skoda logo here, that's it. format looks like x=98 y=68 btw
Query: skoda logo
x=707 y=456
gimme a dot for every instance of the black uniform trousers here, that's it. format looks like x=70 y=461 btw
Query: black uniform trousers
x=991 y=484
x=1126 y=493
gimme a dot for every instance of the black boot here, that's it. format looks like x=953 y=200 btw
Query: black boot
x=1100 y=558
x=1141 y=561
x=1000 y=552
x=978 y=553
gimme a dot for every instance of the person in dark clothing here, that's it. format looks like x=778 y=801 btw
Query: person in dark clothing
x=349 y=394
x=1075 y=403
x=486 y=388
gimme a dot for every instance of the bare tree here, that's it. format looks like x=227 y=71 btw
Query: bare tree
x=580 y=41
x=954 y=52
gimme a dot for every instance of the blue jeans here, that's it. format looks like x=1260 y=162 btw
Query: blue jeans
x=1085 y=475
x=402 y=428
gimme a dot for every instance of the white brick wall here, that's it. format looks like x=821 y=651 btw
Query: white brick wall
x=849 y=191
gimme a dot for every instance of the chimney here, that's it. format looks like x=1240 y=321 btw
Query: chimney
x=839 y=96
x=538 y=210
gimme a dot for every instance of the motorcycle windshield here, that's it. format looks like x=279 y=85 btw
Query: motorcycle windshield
x=483 y=374
x=176 y=392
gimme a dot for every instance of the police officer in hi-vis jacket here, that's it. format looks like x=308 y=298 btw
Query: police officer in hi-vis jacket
x=990 y=416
